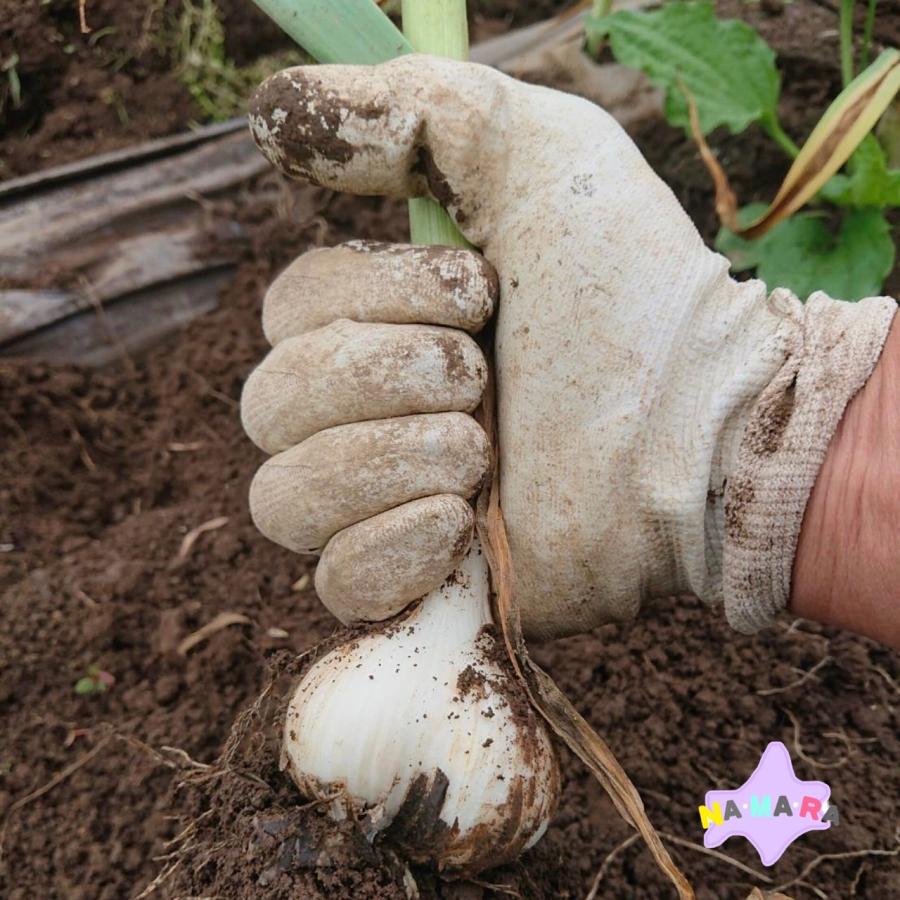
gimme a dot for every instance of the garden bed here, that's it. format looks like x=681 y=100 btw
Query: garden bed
x=109 y=474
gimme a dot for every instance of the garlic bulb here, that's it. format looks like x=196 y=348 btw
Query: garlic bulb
x=427 y=736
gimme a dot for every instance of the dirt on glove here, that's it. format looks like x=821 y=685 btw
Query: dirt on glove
x=124 y=531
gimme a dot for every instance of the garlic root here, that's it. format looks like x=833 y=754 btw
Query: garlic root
x=426 y=735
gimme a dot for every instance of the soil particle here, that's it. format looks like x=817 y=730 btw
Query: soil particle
x=471 y=681
x=507 y=686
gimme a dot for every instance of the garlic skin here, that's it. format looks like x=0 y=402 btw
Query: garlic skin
x=426 y=735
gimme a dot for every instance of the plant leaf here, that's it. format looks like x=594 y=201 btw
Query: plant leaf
x=88 y=685
x=844 y=126
x=338 y=31
x=849 y=118
x=869 y=183
x=802 y=254
x=726 y=66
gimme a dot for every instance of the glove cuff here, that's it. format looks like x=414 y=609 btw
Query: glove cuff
x=783 y=446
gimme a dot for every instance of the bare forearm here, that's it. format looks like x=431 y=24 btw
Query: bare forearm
x=847 y=567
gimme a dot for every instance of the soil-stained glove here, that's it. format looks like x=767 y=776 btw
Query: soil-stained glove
x=661 y=425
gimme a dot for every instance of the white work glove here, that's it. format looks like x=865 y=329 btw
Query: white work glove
x=660 y=425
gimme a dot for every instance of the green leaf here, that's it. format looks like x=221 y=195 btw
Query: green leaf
x=802 y=254
x=743 y=253
x=86 y=685
x=725 y=65
x=869 y=181
x=338 y=31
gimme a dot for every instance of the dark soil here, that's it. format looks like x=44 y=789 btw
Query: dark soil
x=82 y=94
x=107 y=472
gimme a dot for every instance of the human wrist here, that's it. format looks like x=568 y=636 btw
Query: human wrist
x=832 y=349
x=847 y=569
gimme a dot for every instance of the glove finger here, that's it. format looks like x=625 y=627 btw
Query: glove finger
x=372 y=570
x=351 y=372
x=369 y=281
x=411 y=127
x=338 y=477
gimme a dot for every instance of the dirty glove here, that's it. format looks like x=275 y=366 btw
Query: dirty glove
x=660 y=425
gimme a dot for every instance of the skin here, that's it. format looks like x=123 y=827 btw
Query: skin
x=847 y=567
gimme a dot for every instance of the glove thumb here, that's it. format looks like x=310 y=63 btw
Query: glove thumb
x=415 y=126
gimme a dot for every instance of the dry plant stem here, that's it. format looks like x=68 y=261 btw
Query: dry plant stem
x=768 y=692
x=887 y=677
x=161 y=878
x=825 y=857
x=217 y=623
x=854 y=886
x=715 y=854
x=498 y=888
x=188 y=541
x=106 y=325
x=799 y=751
x=848 y=119
x=726 y=199
x=562 y=717
x=757 y=894
x=82 y=17
x=601 y=872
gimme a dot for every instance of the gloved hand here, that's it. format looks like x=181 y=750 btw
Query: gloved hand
x=660 y=425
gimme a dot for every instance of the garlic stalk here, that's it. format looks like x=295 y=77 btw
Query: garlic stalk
x=425 y=734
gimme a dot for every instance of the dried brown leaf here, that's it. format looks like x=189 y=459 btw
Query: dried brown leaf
x=550 y=702
x=188 y=541
x=184 y=446
x=845 y=123
x=217 y=623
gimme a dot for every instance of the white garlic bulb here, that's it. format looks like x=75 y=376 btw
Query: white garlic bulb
x=427 y=735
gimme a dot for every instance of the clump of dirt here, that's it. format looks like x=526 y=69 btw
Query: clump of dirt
x=106 y=472
x=243 y=832
x=81 y=94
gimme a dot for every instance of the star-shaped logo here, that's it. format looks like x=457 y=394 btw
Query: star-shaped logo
x=771 y=809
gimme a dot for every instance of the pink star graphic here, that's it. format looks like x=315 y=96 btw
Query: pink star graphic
x=758 y=812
